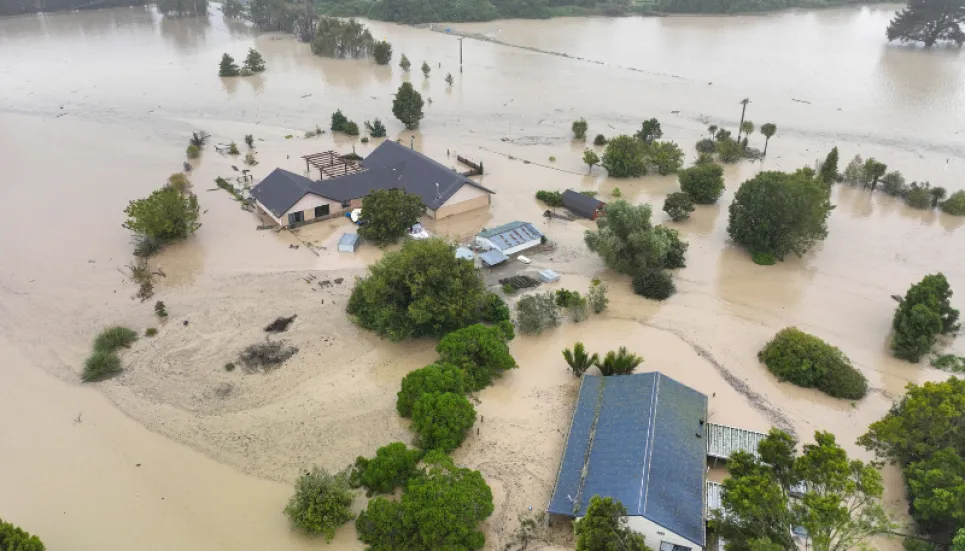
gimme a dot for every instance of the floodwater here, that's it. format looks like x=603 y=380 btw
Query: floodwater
x=96 y=108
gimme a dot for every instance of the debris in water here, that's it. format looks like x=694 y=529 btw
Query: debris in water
x=266 y=354
x=280 y=324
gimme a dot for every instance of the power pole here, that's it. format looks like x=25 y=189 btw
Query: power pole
x=460 y=54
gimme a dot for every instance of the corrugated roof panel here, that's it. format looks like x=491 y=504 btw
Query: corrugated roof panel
x=493 y=257
x=723 y=441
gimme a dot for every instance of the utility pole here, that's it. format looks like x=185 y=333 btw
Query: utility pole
x=460 y=54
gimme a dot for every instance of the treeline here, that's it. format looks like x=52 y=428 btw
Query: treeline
x=16 y=7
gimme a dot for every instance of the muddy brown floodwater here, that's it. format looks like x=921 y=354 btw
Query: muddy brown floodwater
x=176 y=453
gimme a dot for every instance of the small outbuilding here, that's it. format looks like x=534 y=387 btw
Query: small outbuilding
x=465 y=253
x=582 y=204
x=348 y=243
x=493 y=258
x=510 y=238
x=548 y=276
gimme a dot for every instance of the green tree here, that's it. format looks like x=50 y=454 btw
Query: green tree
x=807 y=361
x=930 y=22
x=254 y=62
x=441 y=420
x=579 y=129
x=619 y=362
x=768 y=129
x=678 y=205
x=480 y=351
x=604 y=528
x=419 y=291
x=958 y=544
x=13 y=538
x=578 y=359
x=654 y=284
x=404 y=63
x=664 y=157
x=703 y=183
x=335 y=37
x=649 y=131
x=873 y=171
x=779 y=213
x=923 y=314
x=713 y=130
x=707 y=146
x=375 y=128
x=729 y=150
x=391 y=468
x=629 y=243
x=338 y=121
x=937 y=194
x=165 y=215
x=955 y=204
x=382 y=52
x=938 y=486
x=747 y=127
x=855 y=173
x=494 y=309
x=918 y=196
x=597 y=296
x=829 y=168
x=893 y=184
x=537 y=312
x=322 y=502
x=228 y=67
x=436 y=377
x=425 y=69
x=388 y=214
x=623 y=157
x=407 y=106
x=233 y=9
x=590 y=158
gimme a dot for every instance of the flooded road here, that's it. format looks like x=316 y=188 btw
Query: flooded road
x=96 y=108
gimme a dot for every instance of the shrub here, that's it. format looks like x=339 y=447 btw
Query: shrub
x=391 y=468
x=809 y=362
x=566 y=298
x=382 y=52
x=579 y=309
x=13 y=538
x=629 y=243
x=729 y=150
x=551 y=198
x=600 y=139
x=664 y=157
x=100 y=365
x=114 y=338
x=229 y=367
x=150 y=332
x=376 y=128
x=703 y=159
x=678 y=205
x=233 y=149
x=494 y=309
x=322 y=502
x=537 y=312
x=597 y=297
x=703 y=183
x=436 y=377
x=480 y=351
x=228 y=67
x=508 y=288
x=419 y=291
x=623 y=157
x=441 y=420
x=350 y=129
x=193 y=152
x=164 y=215
x=654 y=284
x=616 y=192
x=552 y=159
x=893 y=184
x=955 y=204
x=250 y=159
x=918 y=196
x=250 y=141
x=579 y=129
x=579 y=359
x=707 y=145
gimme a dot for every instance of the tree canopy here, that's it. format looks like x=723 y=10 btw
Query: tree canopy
x=623 y=157
x=391 y=468
x=388 y=214
x=807 y=361
x=322 y=502
x=703 y=183
x=435 y=377
x=167 y=214
x=440 y=508
x=924 y=313
x=604 y=528
x=382 y=52
x=421 y=290
x=441 y=420
x=678 y=205
x=480 y=351
x=649 y=131
x=13 y=538
x=929 y=22
x=779 y=213
x=840 y=503
x=407 y=105
x=340 y=38
x=629 y=243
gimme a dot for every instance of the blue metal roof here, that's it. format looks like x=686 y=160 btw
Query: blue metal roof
x=638 y=439
x=493 y=257
x=511 y=235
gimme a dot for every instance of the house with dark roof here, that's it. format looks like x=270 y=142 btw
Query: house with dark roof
x=639 y=439
x=292 y=199
x=582 y=204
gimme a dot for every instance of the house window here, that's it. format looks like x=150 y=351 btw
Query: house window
x=296 y=218
x=346 y=204
x=321 y=211
x=667 y=546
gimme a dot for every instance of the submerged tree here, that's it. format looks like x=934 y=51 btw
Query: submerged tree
x=449 y=79
x=254 y=62
x=15 y=539
x=619 y=362
x=590 y=158
x=629 y=243
x=375 y=128
x=623 y=157
x=649 y=131
x=382 y=52
x=579 y=128
x=828 y=172
x=182 y=7
x=426 y=69
x=768 y=129
x=929 y=22
x=228 y=67
x=388 y=214
x=340 y=38
x=407 y=106
x=165 y=215
x=579 y=360
x=924 y=313
x=322 y=502
x=740 y=126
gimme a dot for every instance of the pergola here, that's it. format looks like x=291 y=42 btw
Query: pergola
x=331 y=164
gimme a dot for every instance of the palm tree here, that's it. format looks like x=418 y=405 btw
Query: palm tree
x=768 y=129
x=937 y=195
x=578 y=359
x=620 y=362
x=747 y=127
x=743 y=102
x=713 y=130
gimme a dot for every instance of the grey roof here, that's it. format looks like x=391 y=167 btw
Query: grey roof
x=280 y=190
x=493 y=257
x=464 y=253
x=393 y=166
x=581 y=204
x=638 y=439
x=511 y=235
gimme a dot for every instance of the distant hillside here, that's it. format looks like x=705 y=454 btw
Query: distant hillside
x=16 y=7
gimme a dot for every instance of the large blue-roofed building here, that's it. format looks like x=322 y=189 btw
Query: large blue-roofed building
x=639 y=439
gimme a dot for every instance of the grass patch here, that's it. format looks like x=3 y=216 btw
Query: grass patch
x=150 y=332
x=101 y=365
x=114 y=338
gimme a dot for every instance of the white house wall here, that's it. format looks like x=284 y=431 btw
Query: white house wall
x=467 y=198
x=270 y=215
x=654 y=534
x=308 y=203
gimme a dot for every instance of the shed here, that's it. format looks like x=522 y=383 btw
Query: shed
x=510 y=238
x=548 y=276
x=348 y=243
x=639 y=439
x=493 y=258
x=465 y=253
x=582 y=204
